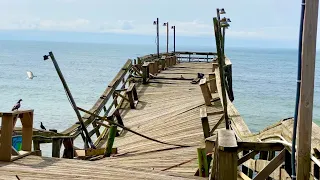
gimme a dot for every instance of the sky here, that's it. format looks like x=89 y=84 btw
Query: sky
x=262 y=22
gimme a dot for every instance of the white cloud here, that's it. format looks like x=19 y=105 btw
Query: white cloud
x=185 y=28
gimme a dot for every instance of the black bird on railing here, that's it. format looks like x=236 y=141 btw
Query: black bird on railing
x=16 y=106
x=42 y=126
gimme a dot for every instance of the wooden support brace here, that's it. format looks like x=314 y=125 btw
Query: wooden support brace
x=36 y=148
x=247 y=157
x=68 y=151
x=271 y=166
x=205 y=122
x=205 y=91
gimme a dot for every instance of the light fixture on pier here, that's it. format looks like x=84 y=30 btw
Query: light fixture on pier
x=225 y=20
x=45 y=57
x=224 y=24
x=155 y=22
x=167 y=24
x=221 y=11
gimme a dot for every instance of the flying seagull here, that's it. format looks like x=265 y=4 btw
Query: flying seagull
x=17 y=106
x=30 y=75
x=42 y=126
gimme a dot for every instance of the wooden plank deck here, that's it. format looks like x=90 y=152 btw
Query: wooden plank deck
x=168 y=110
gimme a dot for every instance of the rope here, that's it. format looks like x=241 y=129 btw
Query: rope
x=128 y=129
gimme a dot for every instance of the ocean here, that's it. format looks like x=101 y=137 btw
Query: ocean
x=264 y=80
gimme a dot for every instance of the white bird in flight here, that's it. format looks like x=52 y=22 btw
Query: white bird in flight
x=30 y=75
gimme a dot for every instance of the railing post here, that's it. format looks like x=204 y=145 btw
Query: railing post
x=109 y=144
x=227 y=155
x=213 y=85
x=205 y=122
x=145 y=73
x=163 y=62
x=6 y=137
x=205 y=91
x=214 y=66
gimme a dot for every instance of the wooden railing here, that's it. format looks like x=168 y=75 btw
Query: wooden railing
x=195 y=56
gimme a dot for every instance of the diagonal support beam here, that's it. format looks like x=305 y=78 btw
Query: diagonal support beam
x=273 y=164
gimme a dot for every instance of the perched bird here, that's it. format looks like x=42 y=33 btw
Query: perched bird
x=30 y=75
x=17 y=106
x=42 y=126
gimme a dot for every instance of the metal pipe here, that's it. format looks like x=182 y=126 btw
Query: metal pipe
x=158 y=51
x=217 y=31
x=174 y=39
x=295 y=122
x=74 y=106
x=167 y=37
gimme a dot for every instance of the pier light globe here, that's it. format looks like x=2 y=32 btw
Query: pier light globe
x=164 y=24
x=154 y=22
x=172 y=27
x=221 y=11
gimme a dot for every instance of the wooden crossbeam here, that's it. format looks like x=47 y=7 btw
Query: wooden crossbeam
x=247 y=157
x=259 y=146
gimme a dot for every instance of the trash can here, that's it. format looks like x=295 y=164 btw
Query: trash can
x=17 y=142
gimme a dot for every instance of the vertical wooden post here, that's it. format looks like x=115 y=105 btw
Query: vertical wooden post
x=307 y=89
x=205 y=122
x=6 y=137
x=27 y=131
x=167 y=61
x=227 y=155
x=68 y=151
x=174 y=59
x=56 y=146
x=214 y=66
x=287 y=165
x=207 y=58
x=189 y=57
x=145 y=73
x=163 y=62
x=109 y=144
x=139 y=61
x=205 y=91
x=213 y=84
x=36 y=148
x=151 y=68
x=202 y=162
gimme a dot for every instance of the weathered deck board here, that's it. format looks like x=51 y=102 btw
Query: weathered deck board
x=168 y=110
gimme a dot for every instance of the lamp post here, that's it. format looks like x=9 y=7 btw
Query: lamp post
x=218 y=25
x=174 y=38
x=157 y=23
x=167 y=24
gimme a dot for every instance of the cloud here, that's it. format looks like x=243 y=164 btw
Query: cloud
x=183 y=28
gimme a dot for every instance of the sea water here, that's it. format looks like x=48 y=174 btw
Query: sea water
x=264 y=80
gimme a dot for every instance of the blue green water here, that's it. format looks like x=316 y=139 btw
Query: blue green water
x=264 y=80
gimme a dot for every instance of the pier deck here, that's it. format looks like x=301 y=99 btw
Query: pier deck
x=168 y=110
